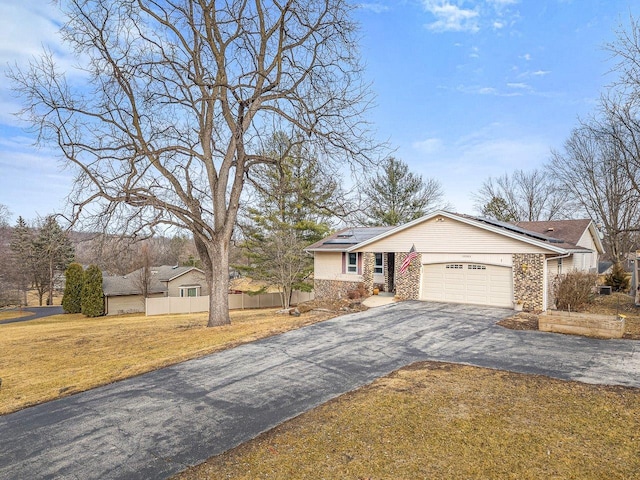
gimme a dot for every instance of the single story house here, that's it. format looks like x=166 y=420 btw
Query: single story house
x=457 y=258
x=123 y=294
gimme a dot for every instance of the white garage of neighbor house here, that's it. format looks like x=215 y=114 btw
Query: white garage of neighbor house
x=460 y=259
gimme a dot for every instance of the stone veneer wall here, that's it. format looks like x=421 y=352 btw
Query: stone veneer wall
x=387 y=284
x=528 y=280
x=333 y=289
x=408 y=283
x=368 y=267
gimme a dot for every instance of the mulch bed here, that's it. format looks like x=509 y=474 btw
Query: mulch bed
x=521 y=321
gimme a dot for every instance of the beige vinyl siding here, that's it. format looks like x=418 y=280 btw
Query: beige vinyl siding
x=328 y=266
x=591 y=259
x=191 y=278
x=451 y=236
x=584 y=262
x=123 y=304
x=567 y=266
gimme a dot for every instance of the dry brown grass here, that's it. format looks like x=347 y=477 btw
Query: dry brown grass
x=441 y=421
x=11 y=314
x=41 y=360
x=619 y=303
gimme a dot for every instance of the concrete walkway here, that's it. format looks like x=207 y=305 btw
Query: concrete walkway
x=157 y=424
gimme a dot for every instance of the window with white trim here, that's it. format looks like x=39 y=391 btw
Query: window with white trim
x=454 y=266
x=379 y=266
x=352 y=263
x=559 y=266
x=476 y=267
x=190 y=291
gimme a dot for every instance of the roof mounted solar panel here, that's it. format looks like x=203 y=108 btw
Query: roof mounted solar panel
x=516 y=229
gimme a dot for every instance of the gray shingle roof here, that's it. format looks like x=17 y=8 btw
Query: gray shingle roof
x=129 y=284
x=348 y=237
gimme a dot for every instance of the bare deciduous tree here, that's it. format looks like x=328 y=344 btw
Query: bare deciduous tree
x=522 y=197
x=620 y=105
x=181 y=95
x=142 y=277
x=591 y=171
x=8 y=290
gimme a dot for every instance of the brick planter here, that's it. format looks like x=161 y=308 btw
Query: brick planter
x=600 y=326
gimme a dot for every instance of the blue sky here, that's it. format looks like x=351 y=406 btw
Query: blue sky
x=466 y=89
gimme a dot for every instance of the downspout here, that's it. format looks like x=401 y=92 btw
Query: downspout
x=546 y=283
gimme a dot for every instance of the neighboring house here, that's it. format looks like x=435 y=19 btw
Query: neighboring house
x=460 y=258
x=123 y=294
x=582 y=233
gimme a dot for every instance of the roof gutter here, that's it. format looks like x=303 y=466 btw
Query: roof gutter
x=560 y=256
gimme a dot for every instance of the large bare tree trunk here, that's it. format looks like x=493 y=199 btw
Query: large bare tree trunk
x=219 y=289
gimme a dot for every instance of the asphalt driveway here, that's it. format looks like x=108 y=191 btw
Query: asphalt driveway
x=157 y=424
x=35 y=313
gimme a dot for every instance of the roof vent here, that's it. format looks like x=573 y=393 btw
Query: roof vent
x=550 y=229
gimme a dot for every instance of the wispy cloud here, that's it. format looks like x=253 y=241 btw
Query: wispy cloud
x=502 y=3
x=484 y=90
x=450 y=17
x=428 y=146
x=469 y=15
x=374 y=7
x=33 y=25
x=529 y=74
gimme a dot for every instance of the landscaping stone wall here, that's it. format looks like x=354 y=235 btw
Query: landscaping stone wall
x=408 y=283
x=333 y=289
x=528 y=280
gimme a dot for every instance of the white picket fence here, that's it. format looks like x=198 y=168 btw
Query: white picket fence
x=175 y=305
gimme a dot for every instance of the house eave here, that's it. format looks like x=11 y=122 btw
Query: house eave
x=466 y=220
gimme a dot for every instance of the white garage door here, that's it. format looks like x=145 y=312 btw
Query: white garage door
x=468 y=283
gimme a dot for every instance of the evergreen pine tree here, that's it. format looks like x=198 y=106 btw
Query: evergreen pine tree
x=618 y=279
x=23 y=257
x=72 y=298
x=54 y=250
x=395 y=195
x=293 y=198
x=92 y=294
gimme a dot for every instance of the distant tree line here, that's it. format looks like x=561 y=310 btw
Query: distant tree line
x=35 y=254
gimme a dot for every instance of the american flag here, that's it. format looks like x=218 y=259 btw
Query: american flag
x=407 y=261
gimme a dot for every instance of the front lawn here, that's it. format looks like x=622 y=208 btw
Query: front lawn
x=444 y=421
